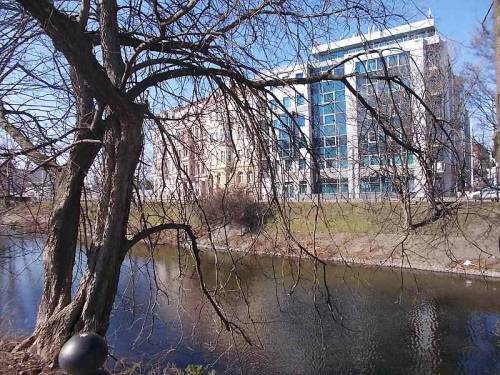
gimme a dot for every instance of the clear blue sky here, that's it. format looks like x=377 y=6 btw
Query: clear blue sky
x=457 y=20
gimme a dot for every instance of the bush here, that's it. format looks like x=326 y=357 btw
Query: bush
x=236 y=207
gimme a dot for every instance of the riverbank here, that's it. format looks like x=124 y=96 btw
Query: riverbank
x=368 y=234
x=450 y=255
x=25 y=363
x=467 y=243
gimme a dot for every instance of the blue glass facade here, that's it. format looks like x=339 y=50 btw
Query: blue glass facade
x=289 y=134
x=329 y=130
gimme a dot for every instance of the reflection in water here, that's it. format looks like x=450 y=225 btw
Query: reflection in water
x=424 y=320
x=421 y=324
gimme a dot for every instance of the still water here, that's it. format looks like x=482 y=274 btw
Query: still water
x=380 y=321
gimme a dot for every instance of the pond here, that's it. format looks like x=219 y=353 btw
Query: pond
x=378 y=320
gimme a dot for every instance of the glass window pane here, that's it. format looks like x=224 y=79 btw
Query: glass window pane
x=300 y=99
x=329 y=120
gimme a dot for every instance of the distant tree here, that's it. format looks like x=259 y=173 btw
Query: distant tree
x=481 y=80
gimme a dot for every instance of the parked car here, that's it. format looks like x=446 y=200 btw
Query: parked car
x=485 y=194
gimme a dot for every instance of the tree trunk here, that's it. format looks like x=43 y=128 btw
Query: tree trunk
x=91 y=307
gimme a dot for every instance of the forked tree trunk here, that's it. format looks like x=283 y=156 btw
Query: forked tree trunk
x=91 y=307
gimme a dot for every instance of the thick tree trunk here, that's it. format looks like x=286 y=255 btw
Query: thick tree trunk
x=91 y=307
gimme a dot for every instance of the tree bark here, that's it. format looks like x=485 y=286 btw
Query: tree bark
x=91 y=307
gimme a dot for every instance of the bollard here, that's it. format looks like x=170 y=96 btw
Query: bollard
x=83 y=354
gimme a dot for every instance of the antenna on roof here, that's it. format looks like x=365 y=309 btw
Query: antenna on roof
x=429 y=14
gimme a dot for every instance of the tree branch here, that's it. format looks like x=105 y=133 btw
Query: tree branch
x=29 y=149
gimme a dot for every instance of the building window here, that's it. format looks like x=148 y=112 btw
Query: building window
x=372 y=137
x=239 y=178
x=287 y=102
x=302 y=164
x=301 y=120
x=303 y=187
x=334 y=186
x=288 y=165
x=370 y=184
x=299 y=75
x=249 y=177
x=300 y=99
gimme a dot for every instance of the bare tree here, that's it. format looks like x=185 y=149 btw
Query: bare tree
x=481 y=79
x=83 y=83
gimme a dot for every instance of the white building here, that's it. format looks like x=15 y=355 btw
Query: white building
x=342 y=151
x=204 y=149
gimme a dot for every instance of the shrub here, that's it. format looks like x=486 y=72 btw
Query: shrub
x=237 y=207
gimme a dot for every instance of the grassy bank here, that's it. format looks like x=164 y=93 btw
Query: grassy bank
x=371 y=233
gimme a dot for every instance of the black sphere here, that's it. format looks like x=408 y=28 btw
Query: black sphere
x=83 y=354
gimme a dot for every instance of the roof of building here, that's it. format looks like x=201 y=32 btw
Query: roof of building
x=375 y=35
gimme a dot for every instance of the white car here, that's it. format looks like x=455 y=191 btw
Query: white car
x=485 y=194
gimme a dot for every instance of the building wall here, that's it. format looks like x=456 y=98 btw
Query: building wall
x=204 y=148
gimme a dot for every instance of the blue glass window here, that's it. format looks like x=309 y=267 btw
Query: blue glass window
x=330 y=142
x=303 y=187
x=360 y=67
x=287 y=102
x=330 y=152
x=328 y=108
x=326 y=131
x=327 y=86
x=327 y=98
x=299 y=75
x=302 y=164
x=301 y=120
x=340 y=117
x=344 y=187
x=341 y=127
x=300 y=99
x=328 y=188
x=340 y=106
x=329 y=120
x=339 y=70
x=340 y=95
x=392 y=60
x=343 y=150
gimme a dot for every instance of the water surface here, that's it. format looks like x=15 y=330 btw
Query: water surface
x=378 y=321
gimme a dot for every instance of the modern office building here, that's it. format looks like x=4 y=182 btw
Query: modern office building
x=331 y=144
x=350 y=139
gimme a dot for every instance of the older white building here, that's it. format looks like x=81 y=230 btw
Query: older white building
x=206 y=148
